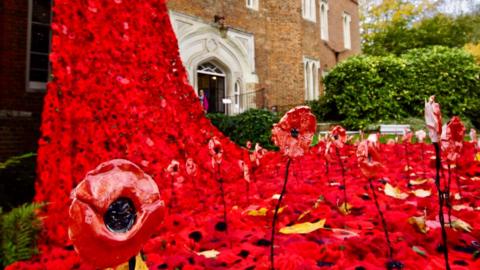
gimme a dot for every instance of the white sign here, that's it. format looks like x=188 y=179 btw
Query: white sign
x=227 y=101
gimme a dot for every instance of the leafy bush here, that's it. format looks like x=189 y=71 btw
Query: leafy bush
x=17 y=175
x=19 y=230
x=253 y=125
x=368 y=89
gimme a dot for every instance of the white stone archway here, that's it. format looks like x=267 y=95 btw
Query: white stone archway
x=200 y=42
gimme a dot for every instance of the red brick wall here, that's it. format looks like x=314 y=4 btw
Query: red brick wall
x=282 y=38
x=17 y=134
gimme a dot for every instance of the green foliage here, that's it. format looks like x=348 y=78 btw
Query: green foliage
x=321 y=109
x=17 y=175
x=253 y=125
x=19 y=230
x=369 y=89
x=399 y=36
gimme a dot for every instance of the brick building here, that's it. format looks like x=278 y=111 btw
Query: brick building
x=235 y=47
x=276 y=49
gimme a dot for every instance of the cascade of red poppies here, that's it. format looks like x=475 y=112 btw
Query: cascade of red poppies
x=119 y=90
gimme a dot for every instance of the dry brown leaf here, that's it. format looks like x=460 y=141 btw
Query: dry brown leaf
x=394 y=192
x=303 y=228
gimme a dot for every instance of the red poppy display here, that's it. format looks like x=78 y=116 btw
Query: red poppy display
x=127 y=96
x=294 y=133
x=114 y=211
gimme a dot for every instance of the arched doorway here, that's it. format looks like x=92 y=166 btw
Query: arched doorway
x=212 y=80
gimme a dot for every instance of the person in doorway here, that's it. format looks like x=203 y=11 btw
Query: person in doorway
x=203 y=100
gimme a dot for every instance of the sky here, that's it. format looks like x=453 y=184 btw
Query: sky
x=459 y=6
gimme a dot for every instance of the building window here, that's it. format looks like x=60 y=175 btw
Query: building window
x=309 y=10
x=252 y=4
x=324 y=20
x=236 y=96
x=38 y=65
x=310 y=71
x=346 y=31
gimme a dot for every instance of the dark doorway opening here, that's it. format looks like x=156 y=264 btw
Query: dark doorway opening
x=212 y=81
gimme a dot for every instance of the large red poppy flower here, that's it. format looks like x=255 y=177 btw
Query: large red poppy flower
x=216 y=150
x=433 y=119
x=294 y=133
x=113 y=213
x=339 y=134
x=369 y=159
x=452 y=141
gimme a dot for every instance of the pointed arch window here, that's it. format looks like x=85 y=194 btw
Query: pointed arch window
x=347 y=42
x=252 y=4
x=311 y=68
x=309 y=10
x=324 y=20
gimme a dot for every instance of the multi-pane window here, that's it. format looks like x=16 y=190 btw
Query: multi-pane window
x=39 y=47
x=309 y=10
x=324 y=20
x=346 y=31
x=310 y=70
x=253 y=4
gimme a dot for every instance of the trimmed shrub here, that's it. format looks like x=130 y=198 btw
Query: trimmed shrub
x=368 y=89
x=253 y=125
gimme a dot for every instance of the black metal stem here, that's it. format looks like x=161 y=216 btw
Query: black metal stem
x=132 y=263
x=447 y=194
x=172 y=194
x=408 y=160
x=224 y=202
x=423 y=160
x=438 y=165
x=382 y=218
x=275 y=215
x=343 y=180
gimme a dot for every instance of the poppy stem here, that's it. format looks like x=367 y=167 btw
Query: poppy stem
x=407 y=159
x=132 y=263
x=457 y=179
x=344 y=182
x=224 y=202
x=447 y=193
x=275 y=215
x=438 y=165
x=423 y=160
x=326 y=166
x=172 y=194
x=382 y=218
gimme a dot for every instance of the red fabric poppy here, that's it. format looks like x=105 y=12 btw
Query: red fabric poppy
x=433 y=119
x=452 y=140
x=216 y=150
x=368 y=159
x=339 y=135
x=113 y=213
x=294 y=133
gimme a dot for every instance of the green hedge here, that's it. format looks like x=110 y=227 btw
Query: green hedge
x=253 y=125
x=369 y=89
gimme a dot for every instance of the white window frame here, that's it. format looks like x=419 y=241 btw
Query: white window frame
x=252 y=4
x=311 y=69
x=34 y=86
x=347 y=39
x=323 y=20
x=309 y=9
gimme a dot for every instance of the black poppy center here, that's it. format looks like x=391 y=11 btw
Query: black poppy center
x=120 y=216
x=217 y=149
x=294 y=132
